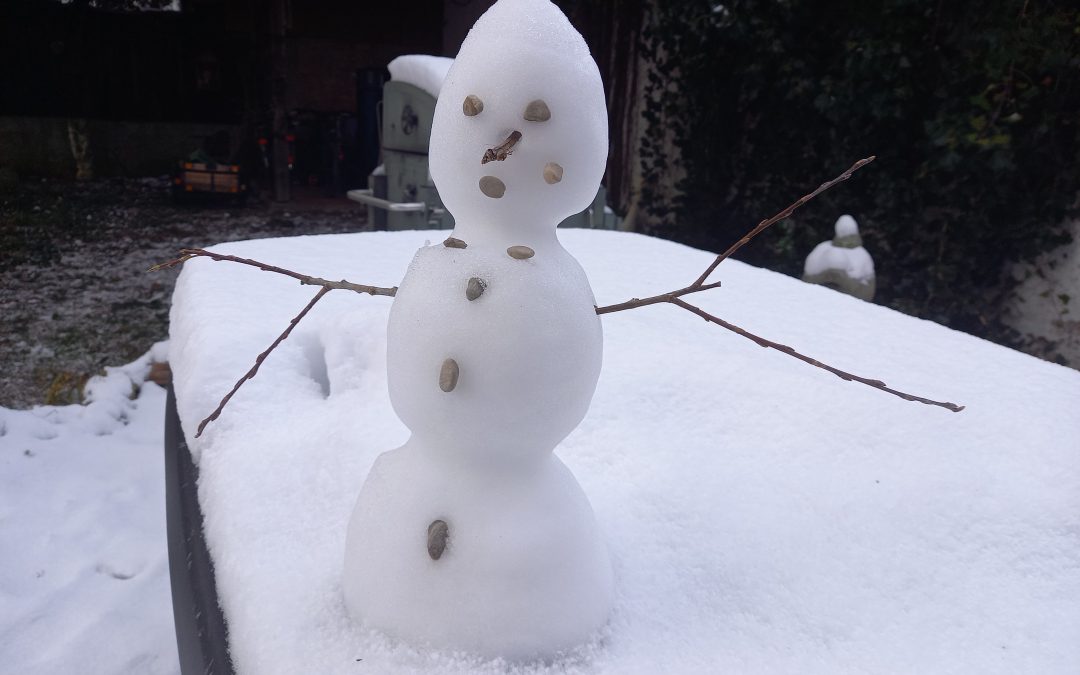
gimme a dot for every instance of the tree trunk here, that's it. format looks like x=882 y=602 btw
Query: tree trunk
x=79 y=140
x=278 y=99
x=614 y=31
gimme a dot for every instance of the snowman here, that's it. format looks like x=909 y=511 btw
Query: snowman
x=473 y=535
x=842 y=264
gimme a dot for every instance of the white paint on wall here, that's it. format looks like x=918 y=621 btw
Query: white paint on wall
x=1045 y=306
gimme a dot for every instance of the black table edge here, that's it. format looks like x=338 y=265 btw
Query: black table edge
x=201 y=632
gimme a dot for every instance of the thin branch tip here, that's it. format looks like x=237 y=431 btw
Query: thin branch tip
x=791 y=208
x=250 y=374
x=304 y=279
x=699 y=283
x=843 y=375
x=169 y=263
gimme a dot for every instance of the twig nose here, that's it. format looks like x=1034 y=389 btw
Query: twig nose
x=503 y=150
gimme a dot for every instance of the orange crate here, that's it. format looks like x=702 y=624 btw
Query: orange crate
x=203 y=178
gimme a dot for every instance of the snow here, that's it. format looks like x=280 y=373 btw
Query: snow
x=846 y=226
x=473 y=536
x=762 y=515
x=844 y=255
x=84 y=581
x=540 y=58
x=420 y=70
x=528 y=352
x=524 y=573
x=854 y=263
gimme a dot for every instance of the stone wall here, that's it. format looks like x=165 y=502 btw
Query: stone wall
x=1045 y=307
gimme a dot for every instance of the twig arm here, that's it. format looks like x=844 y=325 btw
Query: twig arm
x=876 y=384
x=699 y=284
x=259 y=360
x=325 y=284
x=780 y=216
x=189 y=253
x=634 y=303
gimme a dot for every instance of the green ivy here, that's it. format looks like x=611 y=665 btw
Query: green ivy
x=971 y=108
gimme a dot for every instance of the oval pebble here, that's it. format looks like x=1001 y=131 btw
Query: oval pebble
x=452 y=242
x=552 y=173
x=492 y=187
x=448 y=375
x=520 y=252
x=437 y=534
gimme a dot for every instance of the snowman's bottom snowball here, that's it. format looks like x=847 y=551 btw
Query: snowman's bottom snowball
x=524 y=575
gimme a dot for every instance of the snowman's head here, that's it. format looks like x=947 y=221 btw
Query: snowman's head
x=846 y=226
x=519 y=137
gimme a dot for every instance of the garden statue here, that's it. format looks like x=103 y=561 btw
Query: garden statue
x=842 y=264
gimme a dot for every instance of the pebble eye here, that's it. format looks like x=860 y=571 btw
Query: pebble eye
x=472 y=105
x=552 y=173
x=492 y=187
x=537 y=111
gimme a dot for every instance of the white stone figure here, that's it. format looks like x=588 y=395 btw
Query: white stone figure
x=473 y=535
x=842 y=264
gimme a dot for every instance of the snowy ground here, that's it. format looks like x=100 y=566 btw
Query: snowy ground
x=84 y=584
x=74 y=292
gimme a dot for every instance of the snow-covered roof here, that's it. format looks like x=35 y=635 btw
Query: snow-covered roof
x=421 y=70
x=762 y=515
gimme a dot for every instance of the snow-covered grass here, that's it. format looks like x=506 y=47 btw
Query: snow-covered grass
x=84 y=582
x=762 y=515
x=75 y=295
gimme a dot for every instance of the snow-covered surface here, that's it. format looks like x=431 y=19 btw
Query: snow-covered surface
x=421 y=70
x=84 y=584
x=762 y=515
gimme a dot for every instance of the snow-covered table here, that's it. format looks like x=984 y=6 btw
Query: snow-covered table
x=762 y=515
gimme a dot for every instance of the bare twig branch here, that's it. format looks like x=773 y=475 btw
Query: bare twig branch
x=503 y=150
x=672 y=297
x=189 y=253
x=260 y=358
x=780 y=216
x=169 y=264
x=634 y=303
x=699 y=284
x=327 y=286
x=876 y=384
